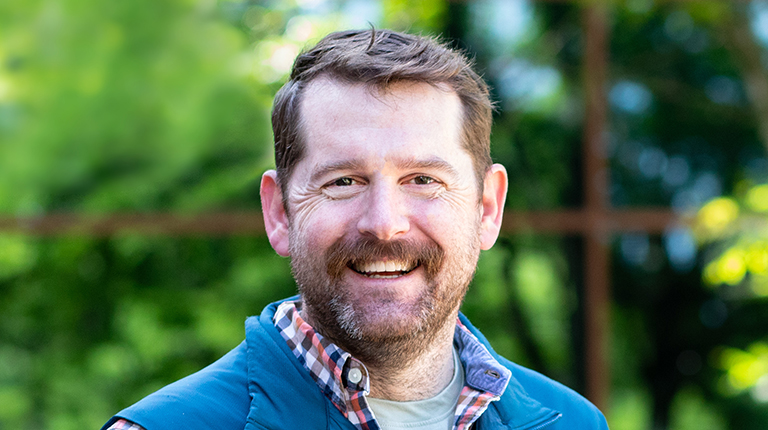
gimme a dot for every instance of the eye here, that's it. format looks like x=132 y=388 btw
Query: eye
x=343 y=182
x=344 y=187
x=423 y=180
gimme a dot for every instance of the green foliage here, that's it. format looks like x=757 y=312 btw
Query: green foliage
x=521 y=302
x=111 y=107
x=630 y=410
x=428 y=15
x=734 y=232
x=101 y=322
x=693 y=414
x=685 y=129
x=127 y=106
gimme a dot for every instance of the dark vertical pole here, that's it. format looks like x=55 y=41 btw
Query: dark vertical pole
x=456 y=23
x=597 y=252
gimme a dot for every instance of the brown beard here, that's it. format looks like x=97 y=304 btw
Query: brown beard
x=339 y=318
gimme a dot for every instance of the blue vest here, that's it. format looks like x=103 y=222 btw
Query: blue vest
x=261 y=385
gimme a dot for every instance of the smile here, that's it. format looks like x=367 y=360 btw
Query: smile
x=384 y=269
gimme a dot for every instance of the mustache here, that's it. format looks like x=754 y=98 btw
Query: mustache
x=346 y=253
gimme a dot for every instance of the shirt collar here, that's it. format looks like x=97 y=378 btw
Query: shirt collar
x=328 y=364
x=481 y=370
x=330 y=367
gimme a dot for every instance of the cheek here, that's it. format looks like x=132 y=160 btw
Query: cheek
x=447 y=218
x=451 y=208
x=317 y=225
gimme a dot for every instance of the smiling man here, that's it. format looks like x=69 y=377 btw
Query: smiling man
x=383 y=197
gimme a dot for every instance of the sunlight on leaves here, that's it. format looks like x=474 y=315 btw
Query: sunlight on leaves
x=729 y=269
x=715 y=216
x=744 y=368
x=757 y=198
x=736 y=231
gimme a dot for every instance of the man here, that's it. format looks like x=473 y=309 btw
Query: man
x=383 y=196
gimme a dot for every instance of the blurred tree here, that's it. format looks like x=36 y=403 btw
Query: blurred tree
x=687 y=126
x=109 y=107
x=141 y=106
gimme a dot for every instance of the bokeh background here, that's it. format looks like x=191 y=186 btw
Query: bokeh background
x=133 y=135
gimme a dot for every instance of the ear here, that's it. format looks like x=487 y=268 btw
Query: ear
x=494 y=196
x=275 y=217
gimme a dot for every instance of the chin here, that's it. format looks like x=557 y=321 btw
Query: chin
x=382 y=320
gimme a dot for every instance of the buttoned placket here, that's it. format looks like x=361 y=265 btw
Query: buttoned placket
x=355 y=376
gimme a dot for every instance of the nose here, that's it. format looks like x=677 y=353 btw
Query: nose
x=384 y=214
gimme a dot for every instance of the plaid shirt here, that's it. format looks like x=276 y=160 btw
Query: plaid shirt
x=330 y=366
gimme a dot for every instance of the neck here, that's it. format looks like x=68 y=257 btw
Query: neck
x=423 y=376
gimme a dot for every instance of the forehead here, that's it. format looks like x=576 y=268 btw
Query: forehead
x=329 y=99
x=409 y=118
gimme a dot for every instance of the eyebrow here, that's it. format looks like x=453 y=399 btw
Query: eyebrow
x=335 y=167
x=433 y=163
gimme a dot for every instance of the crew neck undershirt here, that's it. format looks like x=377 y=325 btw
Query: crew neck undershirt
x=435 y=413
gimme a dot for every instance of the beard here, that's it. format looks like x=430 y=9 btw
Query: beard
x=382 y=326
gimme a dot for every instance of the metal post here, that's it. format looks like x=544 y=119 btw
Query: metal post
x=597 y=252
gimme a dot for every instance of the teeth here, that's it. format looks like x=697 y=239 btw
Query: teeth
x=384 y=266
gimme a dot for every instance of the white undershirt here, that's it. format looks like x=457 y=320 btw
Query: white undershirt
x=435 y=413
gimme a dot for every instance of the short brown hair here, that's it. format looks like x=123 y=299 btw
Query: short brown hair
x=378 y=58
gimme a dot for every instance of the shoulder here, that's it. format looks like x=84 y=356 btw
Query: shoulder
x=216 y=397
x=531 y=394
x=255 y=381
x=576 y=411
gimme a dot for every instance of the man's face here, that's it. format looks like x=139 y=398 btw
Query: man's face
x=385 y=213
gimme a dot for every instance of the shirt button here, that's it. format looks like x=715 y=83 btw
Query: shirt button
x=355 y=376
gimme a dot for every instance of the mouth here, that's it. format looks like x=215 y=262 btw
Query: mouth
x=383 y=269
